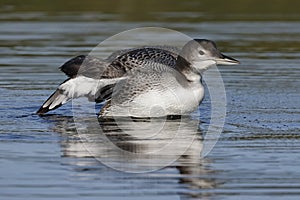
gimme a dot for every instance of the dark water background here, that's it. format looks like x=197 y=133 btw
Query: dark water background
x=258 y=154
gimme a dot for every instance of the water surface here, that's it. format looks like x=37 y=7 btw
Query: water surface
x=257 y=156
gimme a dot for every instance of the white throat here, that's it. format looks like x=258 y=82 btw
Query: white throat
x=201 y=66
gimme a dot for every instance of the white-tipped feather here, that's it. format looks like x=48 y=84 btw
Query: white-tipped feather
x=80 y=86
x=47 y=103
x=61 y=99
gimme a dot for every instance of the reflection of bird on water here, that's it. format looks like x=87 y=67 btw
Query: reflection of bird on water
x=141 y=82
x=192 y=169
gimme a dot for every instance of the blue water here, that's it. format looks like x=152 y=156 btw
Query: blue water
x=256 y=157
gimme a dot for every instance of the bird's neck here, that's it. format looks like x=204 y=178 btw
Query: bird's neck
x=186 y=68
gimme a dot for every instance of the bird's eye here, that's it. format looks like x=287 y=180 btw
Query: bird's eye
x=201 y=52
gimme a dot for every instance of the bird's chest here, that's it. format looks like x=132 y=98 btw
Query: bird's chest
x=170 y=100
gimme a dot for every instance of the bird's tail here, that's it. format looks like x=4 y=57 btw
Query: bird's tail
x=56 y=100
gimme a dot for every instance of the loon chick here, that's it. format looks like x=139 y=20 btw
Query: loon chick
x=140 y=82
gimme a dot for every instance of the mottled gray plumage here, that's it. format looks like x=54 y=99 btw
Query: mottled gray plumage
x=120 y=62
x=150 y=76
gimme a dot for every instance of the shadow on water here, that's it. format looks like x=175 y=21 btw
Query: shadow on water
x=138 y=146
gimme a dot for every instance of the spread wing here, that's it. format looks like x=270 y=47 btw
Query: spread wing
x=95 y=79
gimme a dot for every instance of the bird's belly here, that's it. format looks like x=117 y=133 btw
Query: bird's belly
x=156 y=103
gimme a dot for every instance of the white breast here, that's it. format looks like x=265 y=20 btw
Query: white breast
x=167 y=98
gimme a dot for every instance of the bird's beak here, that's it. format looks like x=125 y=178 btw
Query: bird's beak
x=226 y=60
